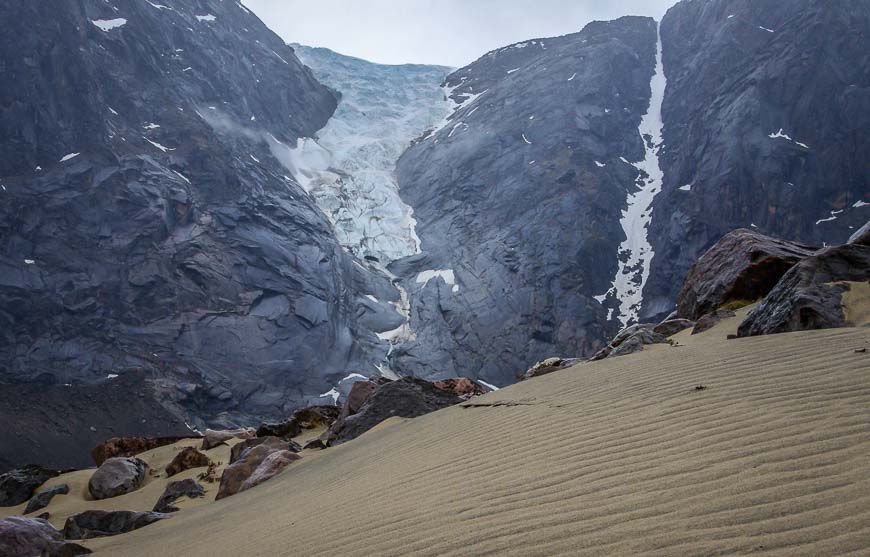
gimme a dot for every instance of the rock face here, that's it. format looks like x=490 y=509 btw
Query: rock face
x=17 y=486
x=30 y=537
x=237 y=474
x=117 y=476
x=187 y=459
x=518 y=198
x=408 y=397
x=762 y=123
x=163 y=172
x=97 y=524
x=743 y=265
x=129 y=446
x=175 y=491
x=44 y=497
x=809 y=296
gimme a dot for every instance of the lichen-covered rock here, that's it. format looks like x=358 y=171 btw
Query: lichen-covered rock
x=17 y=486
x=96 y=524
x=175 y=491
x=117 y=476
x=188 y=458
x=44 y=497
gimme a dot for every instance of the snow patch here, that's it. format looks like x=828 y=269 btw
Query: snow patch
x=572 y=77
x=159 y=146
x=782 y=135
x=600 y=164
x=333 y=392
x=112 y=376
x=109 y=24
x=207 y=17
x=29 y=262
x=446 y=275
x=513 y=71
x=828 y=219
x=489 y=386
x=860 y=204
x=526 y=139
x=687 y=187
x=70 y=156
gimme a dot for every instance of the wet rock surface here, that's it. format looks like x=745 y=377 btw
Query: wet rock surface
x=117 y=476
x=97 y=524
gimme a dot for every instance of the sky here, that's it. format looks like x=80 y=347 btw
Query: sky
x=447 y=32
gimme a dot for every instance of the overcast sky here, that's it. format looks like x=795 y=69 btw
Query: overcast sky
x=448 y=32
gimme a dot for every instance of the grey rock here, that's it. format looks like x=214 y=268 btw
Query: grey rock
x=810 y=295
x=670 y=327
x=240 y=450
x=97 y=524
x=630 y=340
x=30 y=537
x=17 y=486
x=743 y=266
x=707 y=322
x=117 y=476
x=548 y=366
x=44 y=497
x=175 y=491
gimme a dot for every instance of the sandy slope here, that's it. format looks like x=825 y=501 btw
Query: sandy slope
x=619 y=457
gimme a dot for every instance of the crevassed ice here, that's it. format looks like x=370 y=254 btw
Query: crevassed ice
x=635 y=253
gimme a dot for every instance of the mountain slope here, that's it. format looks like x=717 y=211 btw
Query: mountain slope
x=766 y=117
x=149 y=221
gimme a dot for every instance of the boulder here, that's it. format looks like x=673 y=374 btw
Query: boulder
x=630 y=340
x=670 y=327
x=309 y=417
x=188 y=458
x=237 y=473
x=130 y=446
x=96 y=524
x=271 y=466
x=743 y=266
x=408 y=397
x=548 y=366
x=462 y=387
x=315 y=444
x=810 y=295
x=44 y=497
x=272 y=442
x=213 y=438
x=17 y=486
x=117 y=476
x=358 y=395
x=861 y=236
x=30 y=537
x=175 y=491
x=707 y=322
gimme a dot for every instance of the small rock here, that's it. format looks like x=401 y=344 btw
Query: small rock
x=670 y=327
x=96 y=524
x=860 y=350
x=315 y=444
x=17 y=486
x=309 y=417
x=176 y=490
x=213 y=438
x=710 y=320
x=188 y=458
x=43 y=498
x=117 y=476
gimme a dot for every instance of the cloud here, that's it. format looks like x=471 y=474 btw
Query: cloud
x=448 y=32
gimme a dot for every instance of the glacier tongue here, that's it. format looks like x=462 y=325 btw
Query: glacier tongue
x=635 y=253
x=350 y=169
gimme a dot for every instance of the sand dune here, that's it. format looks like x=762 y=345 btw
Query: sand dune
x=619 y=457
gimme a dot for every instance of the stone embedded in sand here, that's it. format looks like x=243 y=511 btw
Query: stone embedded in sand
x=707 y=322
x=239 y=449
x=309 y=417
x=44 y=497
x=630 y=340
x=315 y=444
x=237 y=473
x=271 y=466
x=130 y=446
x=670 y=327
x=117 y=476
x=17 y=486
x=97 y=524
x=188 y=458
x=30 y=537
x=743 y=266
x=462 y=387
x=358 y=395
x=810 y=295
x=548 y=366
x=175 y=491
x=213 y=438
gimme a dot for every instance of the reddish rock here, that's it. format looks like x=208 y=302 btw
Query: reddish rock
x=271 y=466
x=358 y=395
x=462 y=387
x=236 y=474
x=239 y=449
x=188 y=458
x=213 y=438
x=131 y=446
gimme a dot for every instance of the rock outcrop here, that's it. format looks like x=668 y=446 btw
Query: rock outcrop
x=17 y=486
x=408 y=397
x=97 y=524
x=44 y=497
x=32 y=537
x=130 y=446
x=810 y=295
x=117 y=476
x=548 y=366
x=630 y=340
x=175 y=491
x=743 y=266
x=462 y=387
x=213 y=438
x=310 y=417
x=186 y=459
x=672 y=326
x=240 y=449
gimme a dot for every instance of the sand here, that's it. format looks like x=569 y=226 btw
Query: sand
x=619 y=457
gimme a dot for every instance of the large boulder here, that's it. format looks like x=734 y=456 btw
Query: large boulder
x=117 y=476
x=130 y=446
x=44 y=497
x=408 y=397
x=237 y=473
x=630 y=340
x=239 y=449
x=810 y=295
x=310 y=417
x=17 y=486
x=96 y=524
x=213 y=438
x=462 y=387
x=188 y=458
x=31 y=537
x=175 y=491
x=548 y=366
x=743 y=266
